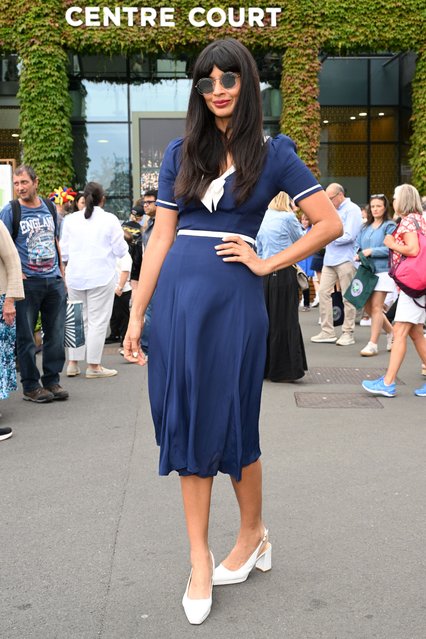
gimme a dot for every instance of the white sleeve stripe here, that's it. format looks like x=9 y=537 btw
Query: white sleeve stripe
x=313 y=188
x=168 y=203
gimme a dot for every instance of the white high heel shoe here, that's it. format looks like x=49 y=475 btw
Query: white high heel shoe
x=263 y=561
x=197 y=610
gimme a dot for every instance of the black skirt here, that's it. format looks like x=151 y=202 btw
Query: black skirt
x=286 y=358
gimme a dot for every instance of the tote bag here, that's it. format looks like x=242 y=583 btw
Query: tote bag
x=410 y=273
x=74 y=327
x=363 y=283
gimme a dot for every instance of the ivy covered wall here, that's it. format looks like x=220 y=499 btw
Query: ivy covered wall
x=39 y=33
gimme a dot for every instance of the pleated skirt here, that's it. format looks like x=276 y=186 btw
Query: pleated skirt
x=286 y=357
x=206 y=361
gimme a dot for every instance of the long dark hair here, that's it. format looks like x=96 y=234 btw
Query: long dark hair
x=386 y=214
x=205 y=147
x=93 y=195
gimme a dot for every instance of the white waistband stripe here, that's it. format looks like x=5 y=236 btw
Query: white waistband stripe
x=222 y=234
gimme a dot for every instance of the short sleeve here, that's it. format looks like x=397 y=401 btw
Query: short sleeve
x=407 y=225
x=291 y=174
x=168 y=172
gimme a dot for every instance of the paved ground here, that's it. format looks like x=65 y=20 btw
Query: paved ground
x=93 y=542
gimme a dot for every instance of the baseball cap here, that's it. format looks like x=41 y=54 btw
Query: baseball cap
x=138 y=210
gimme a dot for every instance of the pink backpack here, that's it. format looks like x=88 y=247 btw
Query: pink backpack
x=410 y=273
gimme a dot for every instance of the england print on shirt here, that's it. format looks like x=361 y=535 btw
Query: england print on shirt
x=39 y=235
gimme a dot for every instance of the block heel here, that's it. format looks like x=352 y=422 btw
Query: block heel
x=264 y=562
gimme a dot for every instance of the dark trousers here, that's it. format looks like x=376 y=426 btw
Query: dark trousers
x=120 y=315
x=47 y=296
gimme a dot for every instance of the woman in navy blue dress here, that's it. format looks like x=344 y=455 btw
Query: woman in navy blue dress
x=209 y=322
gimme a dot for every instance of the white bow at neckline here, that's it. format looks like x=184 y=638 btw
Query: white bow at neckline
x=215 y=190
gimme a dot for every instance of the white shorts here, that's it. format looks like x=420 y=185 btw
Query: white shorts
x=408 y=311
x=385 y=283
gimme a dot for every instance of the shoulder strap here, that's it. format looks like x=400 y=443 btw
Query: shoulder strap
x=16 y=215
x=53 y=212
x=16 y=218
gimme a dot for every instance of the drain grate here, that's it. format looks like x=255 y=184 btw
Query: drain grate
x=336 y=400
x=331 y=375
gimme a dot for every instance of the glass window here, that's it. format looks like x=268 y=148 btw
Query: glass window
x=97 y=101
x=348 y=124
x=271 y=102
x=384 y=124
x=383 y=168
x=9 y=67
x=120 y=206
x=167 y=95
x=154 y=136
x=406 y=128
x=103 y=66
x=347 y=165
x=384 y=80
x=101 y=154
x=408 y=69
x=406 y=174
x=344 y=81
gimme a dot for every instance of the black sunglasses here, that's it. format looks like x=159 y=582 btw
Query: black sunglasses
x=206 y=85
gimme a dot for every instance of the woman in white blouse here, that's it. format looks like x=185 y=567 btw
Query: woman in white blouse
x=91 y=241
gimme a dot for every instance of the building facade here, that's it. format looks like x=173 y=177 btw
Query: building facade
x=78 y=109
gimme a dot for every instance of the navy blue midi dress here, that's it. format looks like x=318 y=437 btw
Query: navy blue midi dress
x=209 y=324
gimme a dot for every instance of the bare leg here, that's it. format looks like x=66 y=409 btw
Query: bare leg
x=399 y=348
x=419 y=341
x=387 y=326
x=196 y=493
x=375 y=311
x=249 y=496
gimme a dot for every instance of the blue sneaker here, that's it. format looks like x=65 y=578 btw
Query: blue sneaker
x=378 y=387
x=421 y=392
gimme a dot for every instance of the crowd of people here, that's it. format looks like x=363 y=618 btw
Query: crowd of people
x=205 y=265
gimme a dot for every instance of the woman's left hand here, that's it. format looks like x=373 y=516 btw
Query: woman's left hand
x=236 y=249
x=9 y=311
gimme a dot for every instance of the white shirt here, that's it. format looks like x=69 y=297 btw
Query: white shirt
x=124 y=264
x=90 y=248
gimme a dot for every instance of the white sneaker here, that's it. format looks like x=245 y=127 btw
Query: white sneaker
x=324 y=338
x=389 y=341
x=369 y=350
x=92 y=373
x=315 y=302
x=346 y=339
x=365 y=321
